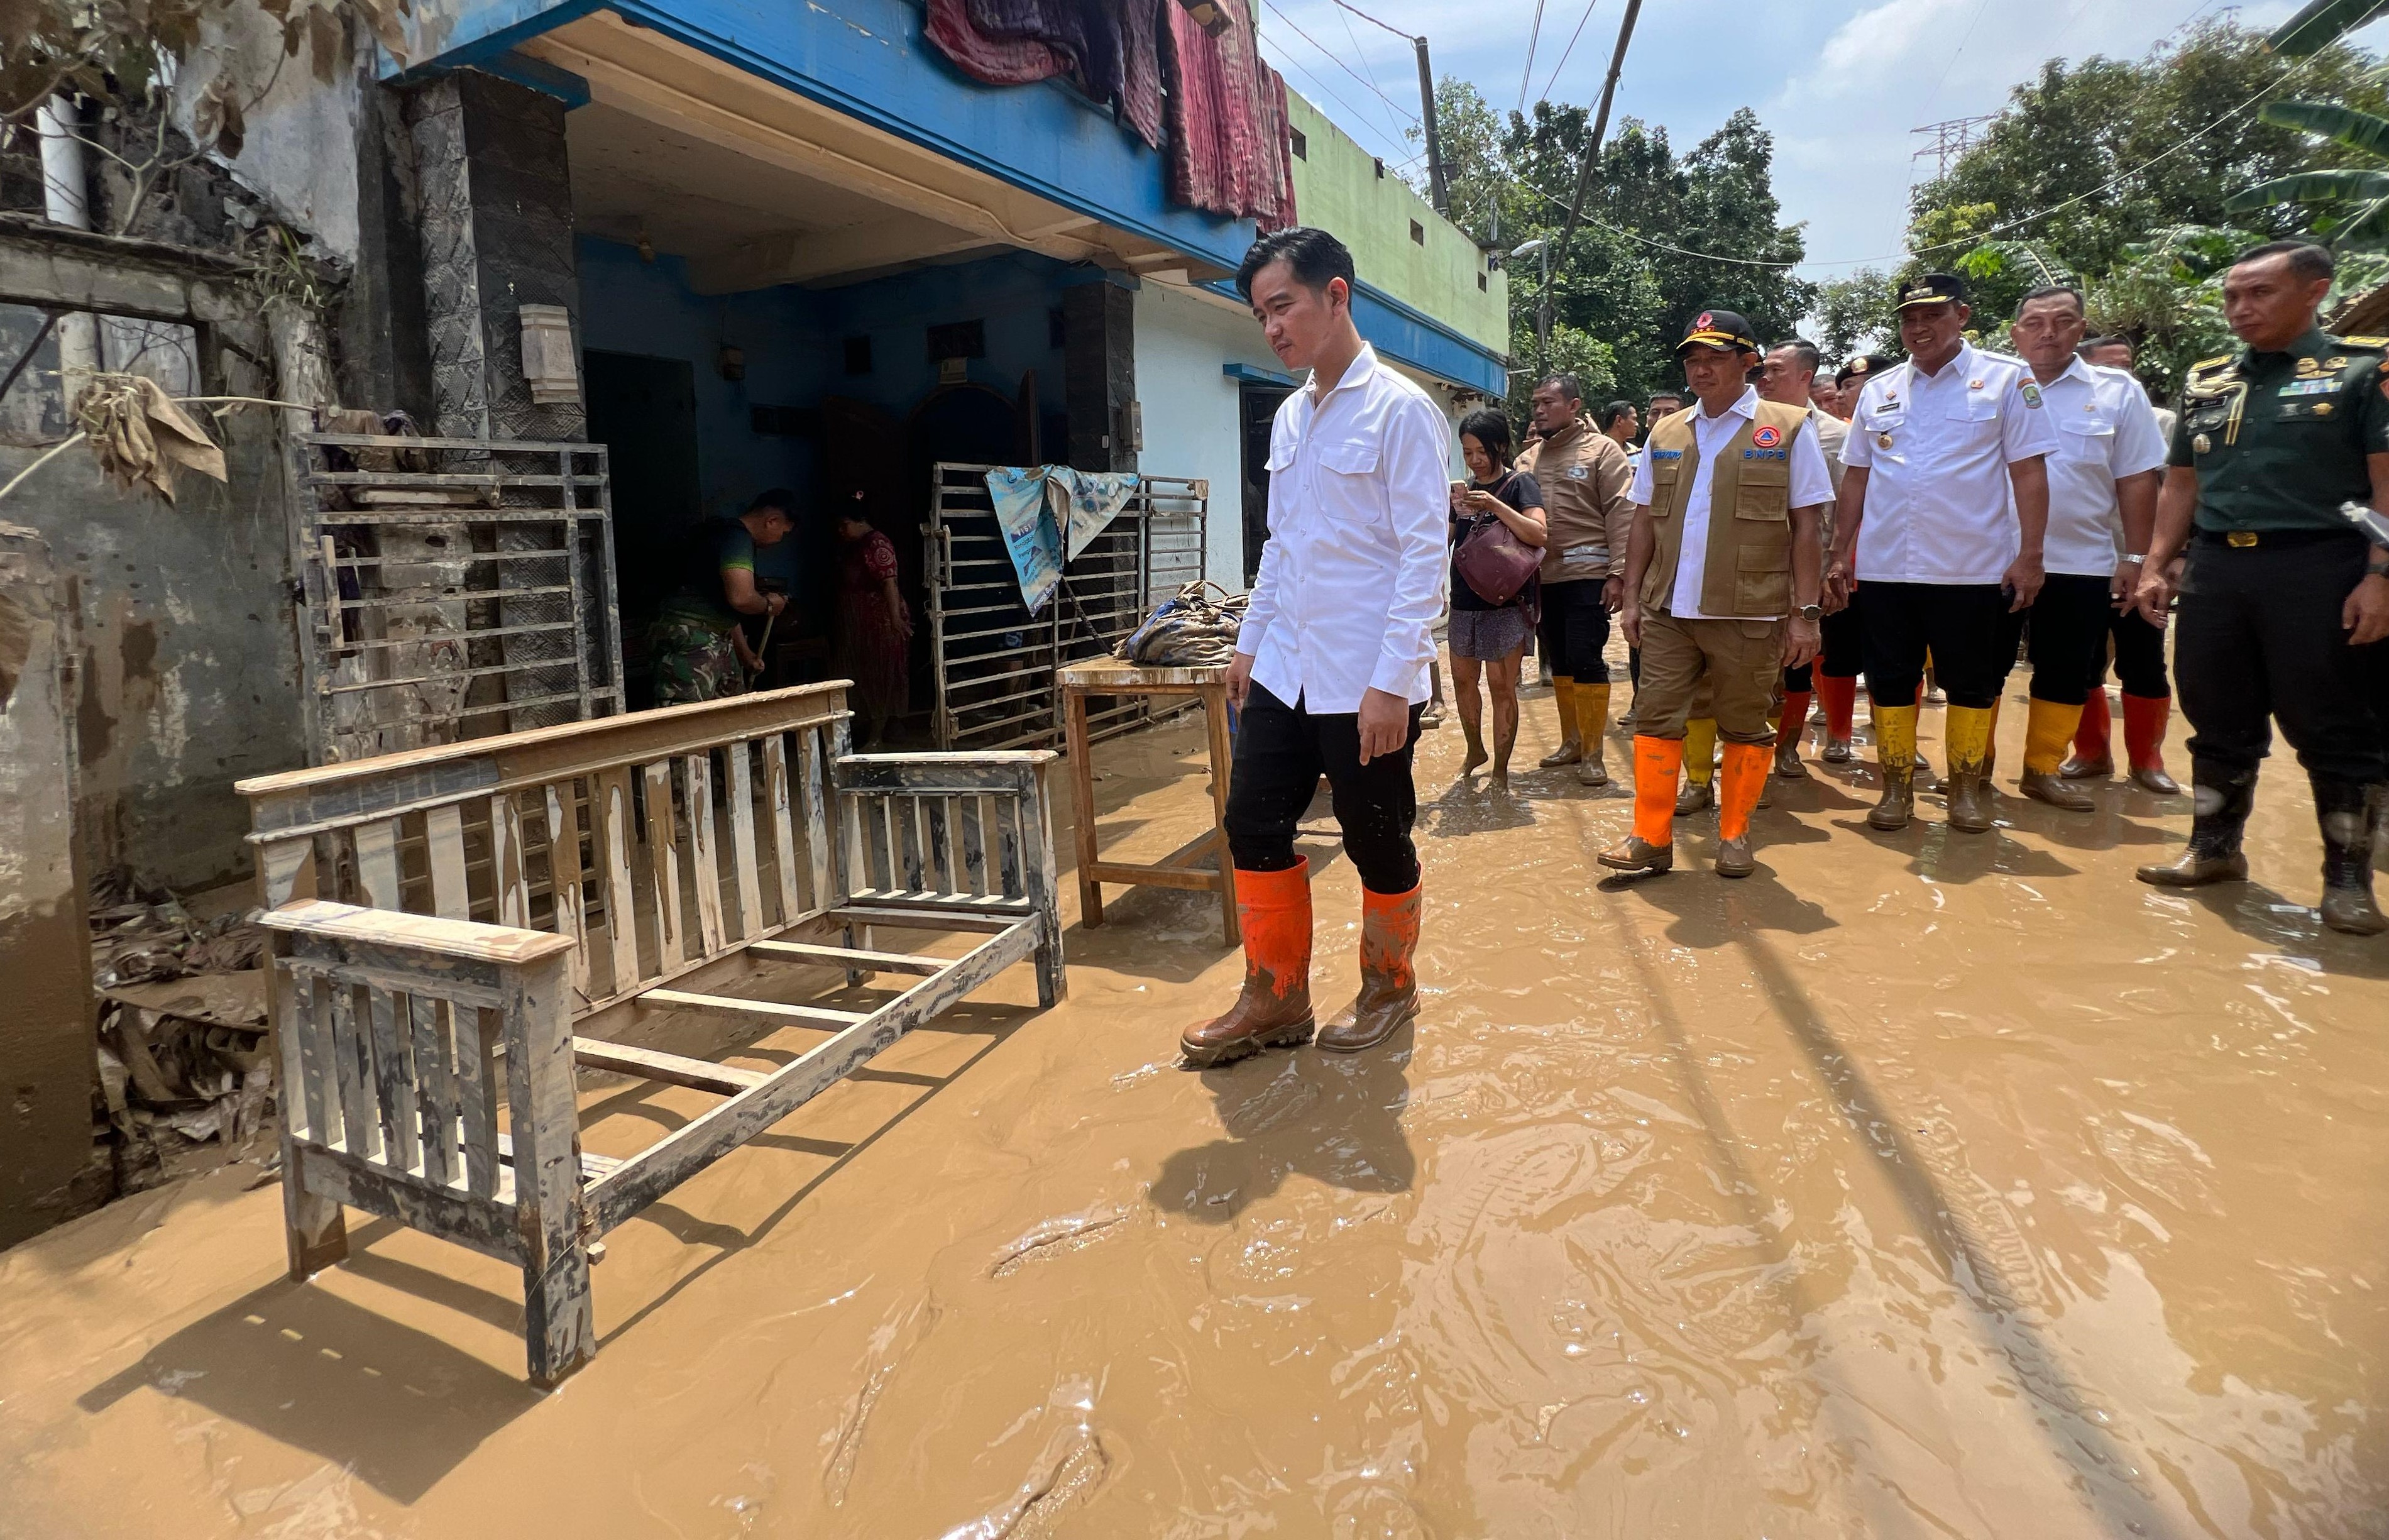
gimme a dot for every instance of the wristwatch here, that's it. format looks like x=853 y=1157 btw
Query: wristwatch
x=1812 y=612
x=2136 y=559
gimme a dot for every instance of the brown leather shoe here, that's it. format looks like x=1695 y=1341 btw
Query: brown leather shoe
x=1273 y=1011
x=1898 y=803
x=1970 y=802
x=1388 y=998
x=1568 y=753
x=2194 y=868
x=1639 y=856
x=2152 y=778
x=1734 y=857
x=2077 y=768
x=1695 y=796
x=2050 y=787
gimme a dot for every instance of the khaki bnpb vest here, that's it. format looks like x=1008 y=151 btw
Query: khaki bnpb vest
x=1748 y=568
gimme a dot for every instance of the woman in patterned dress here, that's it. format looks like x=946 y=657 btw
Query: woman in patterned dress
x=875 y=628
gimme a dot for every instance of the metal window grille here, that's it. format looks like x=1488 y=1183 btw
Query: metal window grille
x=453 y=588
x=994 y=663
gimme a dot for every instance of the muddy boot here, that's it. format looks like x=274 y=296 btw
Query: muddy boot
x=1836 y=752
x=1744 y=777
x=1695 y=796
x=1274 y=910
x=1968 y=730
x=2213 y=854
x=1651 y=849
x=2145 y=732
x=1571 y=740
x=2344 y=813
x=1787 y=760
x=1388 y=998
x=1894 y=749
x=2050 y=785
x=2091 y=758
x=2046 y=731
x=1568 y=753
x=1591 y=723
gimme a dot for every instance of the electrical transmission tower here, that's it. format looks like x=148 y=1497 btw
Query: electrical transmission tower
x=1950 y=138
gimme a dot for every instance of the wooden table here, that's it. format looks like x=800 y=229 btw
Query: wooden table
x=1111 y=676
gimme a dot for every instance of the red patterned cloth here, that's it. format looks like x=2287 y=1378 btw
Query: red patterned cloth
x=1105 y=47
x=1228 y=151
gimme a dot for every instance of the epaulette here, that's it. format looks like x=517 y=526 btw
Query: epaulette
x=2206 y=373
x=2369 y=344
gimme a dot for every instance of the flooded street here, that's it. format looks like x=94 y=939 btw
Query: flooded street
x=1922 y=1185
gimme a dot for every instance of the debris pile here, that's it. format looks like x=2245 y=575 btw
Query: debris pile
x=185 y=1067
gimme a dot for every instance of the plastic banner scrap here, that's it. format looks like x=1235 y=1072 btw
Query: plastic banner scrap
x=1049 y=513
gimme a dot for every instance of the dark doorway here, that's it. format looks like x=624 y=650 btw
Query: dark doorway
x=1260 y=405
x=643 y=411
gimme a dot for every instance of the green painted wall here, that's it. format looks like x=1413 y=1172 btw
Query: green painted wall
x=1336 y=187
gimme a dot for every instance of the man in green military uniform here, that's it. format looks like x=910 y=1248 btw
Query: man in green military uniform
x=2283 y=602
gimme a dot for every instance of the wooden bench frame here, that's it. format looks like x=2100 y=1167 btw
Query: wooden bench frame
x=427 y=923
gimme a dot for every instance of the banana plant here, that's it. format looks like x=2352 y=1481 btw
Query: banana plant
x=2352 y=202
x=2320 y=24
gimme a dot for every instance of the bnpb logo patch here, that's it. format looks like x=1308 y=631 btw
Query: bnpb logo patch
x=1768 y=438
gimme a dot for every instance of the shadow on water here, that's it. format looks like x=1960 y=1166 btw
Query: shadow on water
x=2103 y=1470
x=1332 y=1117
x=400 y=1408
x=2265 y=916
x=396 y=1407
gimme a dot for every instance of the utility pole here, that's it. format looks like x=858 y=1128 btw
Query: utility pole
x=1436 y=193
x=1558 y=259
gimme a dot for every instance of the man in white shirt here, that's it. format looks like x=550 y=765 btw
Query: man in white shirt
x=1331 y=666
x=1723 y=573
x=1944 y=506
x=2102 y=509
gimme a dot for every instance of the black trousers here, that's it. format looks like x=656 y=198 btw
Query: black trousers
x=2140 y=656
x=1575 y=629
x=1281 y=752
x=1843 y=635
x=1964 y=625
x=2064 y=634
x=2260 y=641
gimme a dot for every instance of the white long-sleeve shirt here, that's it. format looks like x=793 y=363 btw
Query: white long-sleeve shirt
x=1351 y=580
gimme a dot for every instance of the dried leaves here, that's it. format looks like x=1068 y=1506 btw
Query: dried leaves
x=140 y=436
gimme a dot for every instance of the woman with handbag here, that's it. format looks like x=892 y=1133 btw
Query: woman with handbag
x=1497 y=540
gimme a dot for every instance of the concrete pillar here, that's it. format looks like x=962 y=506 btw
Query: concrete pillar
x=494 y=185
x=1099 y=373
x=48 y=1057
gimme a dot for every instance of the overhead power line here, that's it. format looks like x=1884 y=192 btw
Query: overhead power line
x=1407 y=116
x=1375 y=23
x=1553 y=78
x=1526 y=75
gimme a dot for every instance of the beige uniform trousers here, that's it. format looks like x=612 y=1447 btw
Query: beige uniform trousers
x=1740 y=663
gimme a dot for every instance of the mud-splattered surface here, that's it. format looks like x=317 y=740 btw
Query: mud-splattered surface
x=1922 y=1185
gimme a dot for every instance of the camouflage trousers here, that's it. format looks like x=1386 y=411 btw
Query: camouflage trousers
x=692 y=662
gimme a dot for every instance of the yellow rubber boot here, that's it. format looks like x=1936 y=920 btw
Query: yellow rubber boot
x=2047 y=735
x=1895 y=748
x=1700 y=766
x=1591 y=723
x=1968 y=731
x=1571 y=746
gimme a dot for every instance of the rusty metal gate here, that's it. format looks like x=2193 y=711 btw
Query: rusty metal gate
x=993 y=662
x=451 y=588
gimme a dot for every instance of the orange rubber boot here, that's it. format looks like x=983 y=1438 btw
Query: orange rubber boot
x=1742 y=780
x=1274 y=910
x=1388 y=998
x=1650 y=848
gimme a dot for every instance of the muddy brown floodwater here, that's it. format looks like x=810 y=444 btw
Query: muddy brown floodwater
x=1922 y=1185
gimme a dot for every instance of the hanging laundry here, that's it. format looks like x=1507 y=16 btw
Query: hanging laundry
x=1110 y=49
x=1227 y=150
x=1049 y=514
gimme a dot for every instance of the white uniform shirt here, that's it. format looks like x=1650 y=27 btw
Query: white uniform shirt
x=1351 y=580
x=1936 y=449
x=2106 y=429
x=1812 y=485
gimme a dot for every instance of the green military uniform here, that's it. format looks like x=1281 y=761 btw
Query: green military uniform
x=2278 y=441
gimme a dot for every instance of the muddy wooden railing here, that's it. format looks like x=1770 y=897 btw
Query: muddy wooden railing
x=640 y=858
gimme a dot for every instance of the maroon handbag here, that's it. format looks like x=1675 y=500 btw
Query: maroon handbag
x=1497 y=563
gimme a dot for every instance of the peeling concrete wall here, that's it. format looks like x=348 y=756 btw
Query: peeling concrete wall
x=189 y=675
x=46 y=1050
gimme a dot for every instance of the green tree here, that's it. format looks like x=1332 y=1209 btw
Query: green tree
x=1854 y=316
x=1631 y=280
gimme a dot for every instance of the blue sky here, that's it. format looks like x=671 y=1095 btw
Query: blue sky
x=1839 y=82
